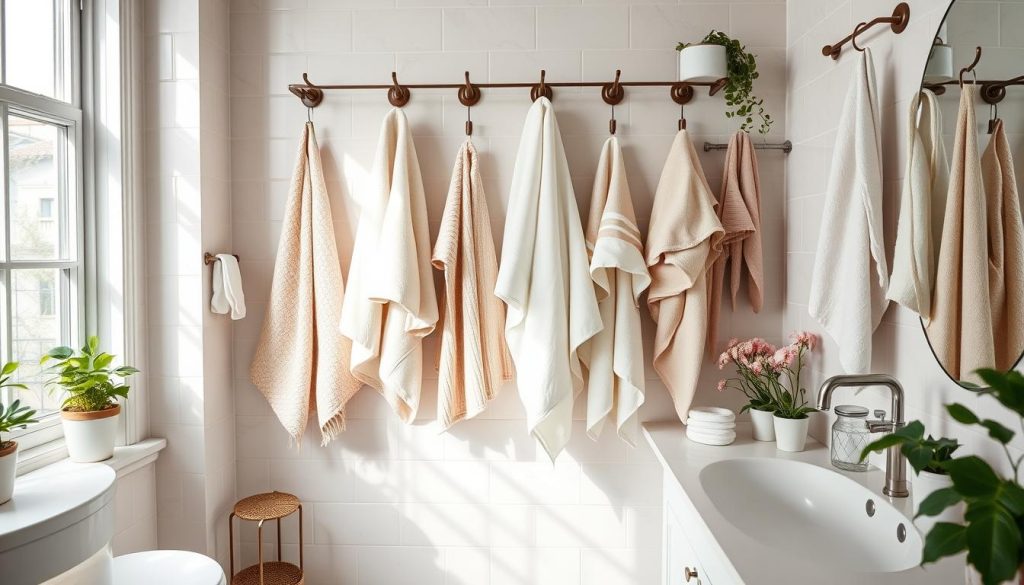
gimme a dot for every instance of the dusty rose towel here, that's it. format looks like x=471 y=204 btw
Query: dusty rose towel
x=302 y=360
x=739 y=210
x=474 y=359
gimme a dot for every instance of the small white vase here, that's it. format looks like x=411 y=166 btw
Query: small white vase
x=90 y=435
x=702 y=63
x=791 y=433
x=8 y=469
x=762 y=424
x=923 y=485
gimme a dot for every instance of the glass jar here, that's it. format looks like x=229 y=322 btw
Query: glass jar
x=849 y=437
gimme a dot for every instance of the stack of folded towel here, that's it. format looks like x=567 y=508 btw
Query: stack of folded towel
x=711 y=425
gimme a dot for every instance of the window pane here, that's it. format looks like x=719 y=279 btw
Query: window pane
x=36 y=326
x=38 y=174
x=31 y=44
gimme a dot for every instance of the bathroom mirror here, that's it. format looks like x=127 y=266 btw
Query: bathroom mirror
x=976 y=313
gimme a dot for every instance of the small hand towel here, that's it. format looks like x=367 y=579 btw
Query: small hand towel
x=474 y=358
x=739 y=210
x=391 y=305
x=925 y=183
x=614 y=358
x=302 y=359
x=683 y=242
x=850 y=276
x=544 y=279
x=227 y=287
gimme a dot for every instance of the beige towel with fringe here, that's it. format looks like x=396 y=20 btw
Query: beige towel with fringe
x=474 y=359
x=302 y=359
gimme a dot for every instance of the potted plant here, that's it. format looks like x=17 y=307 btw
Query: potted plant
x=89 y=412
x=791 y=409
x=752 y=361
x=13 y=417
x=703 y=61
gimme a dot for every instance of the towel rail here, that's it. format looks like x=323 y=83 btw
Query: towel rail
x=897 y=22
x=785 y=147
x=209 y=258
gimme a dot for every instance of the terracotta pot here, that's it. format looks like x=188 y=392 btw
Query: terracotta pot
x=8 y=469
x=762 y=425
x=90 y=435
x=791 y=433
x=703 y=63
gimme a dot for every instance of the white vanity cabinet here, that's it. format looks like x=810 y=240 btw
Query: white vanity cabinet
x=680 y=563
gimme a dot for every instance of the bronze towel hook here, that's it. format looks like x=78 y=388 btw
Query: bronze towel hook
x=970 y=68
x=310 y=94
x=398 y=95
x=612 y=94
x=681 y=94
x=856 y=31
x=469 y=95
x=540 y=89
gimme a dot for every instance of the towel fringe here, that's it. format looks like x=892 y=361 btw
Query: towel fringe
x=332 y=429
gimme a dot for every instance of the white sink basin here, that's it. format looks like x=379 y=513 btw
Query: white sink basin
x=813 y=513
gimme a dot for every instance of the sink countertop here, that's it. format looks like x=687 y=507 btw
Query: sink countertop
x=754 y=562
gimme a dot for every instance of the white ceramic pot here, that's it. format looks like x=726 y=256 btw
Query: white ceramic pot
x=90 y=435
x=791 y=433
x=762 y=423
x=8 y=468
x=924 y=484
x=702 y=63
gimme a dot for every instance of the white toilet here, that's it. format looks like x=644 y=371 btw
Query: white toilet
x=167 y=567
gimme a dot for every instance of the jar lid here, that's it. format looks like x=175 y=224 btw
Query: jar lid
x=851 y=411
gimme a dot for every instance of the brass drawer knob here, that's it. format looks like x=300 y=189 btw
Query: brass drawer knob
x=690 y=574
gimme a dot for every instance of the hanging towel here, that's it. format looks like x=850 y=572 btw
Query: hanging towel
x=614 y=358
x=922 y=206
x=683 y=242
x=474 y=358
x=544 y=279
x=391 y=305
x=739 y=211
x=302 y=360
x=227 y=287
x=850 y=276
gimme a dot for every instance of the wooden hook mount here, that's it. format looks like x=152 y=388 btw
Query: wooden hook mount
x=541 y=89
x=398 y=95
x=613 y=93
x=310 y=95
x=469 y=94
x=682 y=93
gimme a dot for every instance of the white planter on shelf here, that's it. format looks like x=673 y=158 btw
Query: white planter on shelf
x=702 y=63
x=90 y=435
x=762 y=423
x=8 y=467
x=923 y=484
x=791 y=433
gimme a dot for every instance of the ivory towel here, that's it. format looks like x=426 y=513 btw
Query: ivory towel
x=544 y=279
x=227 y=287
x=739 y=211
x=614 y=358
x=391 y=305
x=683 y=242
x=850 y=276
x=474 y=358
x=302 y=359
x=922 y=206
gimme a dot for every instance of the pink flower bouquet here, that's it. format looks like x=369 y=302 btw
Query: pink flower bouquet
x=761 y=367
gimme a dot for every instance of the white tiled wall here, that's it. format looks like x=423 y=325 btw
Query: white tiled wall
x=393 y=504
x=135 y=511
x=816 y=87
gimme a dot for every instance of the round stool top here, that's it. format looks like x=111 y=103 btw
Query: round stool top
x=167 y=567
x=267 y=506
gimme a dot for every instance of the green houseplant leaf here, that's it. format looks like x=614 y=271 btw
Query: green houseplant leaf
x=993 y=541
x=87 y=378
x=945 y=539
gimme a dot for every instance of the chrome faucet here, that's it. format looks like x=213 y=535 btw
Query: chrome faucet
x=895 y=462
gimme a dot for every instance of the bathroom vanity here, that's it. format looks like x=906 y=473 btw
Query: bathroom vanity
x=747 y=513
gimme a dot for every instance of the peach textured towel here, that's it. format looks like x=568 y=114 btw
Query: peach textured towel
x=302 y=360
x=614 y=358
x=391 y=305
x=683 y=242
x=474 y=359
x=739 y=210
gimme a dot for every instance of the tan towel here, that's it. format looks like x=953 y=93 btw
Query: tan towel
x=683 y=241
x=614 y=358
x=961 y=329
x=302 y=359
x=391 y=305
x=474 y=359
x=739 y=210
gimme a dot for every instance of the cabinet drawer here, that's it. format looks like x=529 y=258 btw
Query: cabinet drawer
x=679 y=561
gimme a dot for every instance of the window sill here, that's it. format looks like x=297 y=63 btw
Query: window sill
x=126 y=459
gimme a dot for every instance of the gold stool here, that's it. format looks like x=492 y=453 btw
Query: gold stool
x=259 y=509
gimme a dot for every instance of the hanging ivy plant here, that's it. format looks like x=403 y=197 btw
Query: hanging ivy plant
x=739 y=86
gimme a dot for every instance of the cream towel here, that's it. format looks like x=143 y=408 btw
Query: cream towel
x=302 y=359
x=544 y=279
x=739 y=211
x=227 y=287
x=683 y=242
x=850 y=276
x=391 y=305
x=474 y=359
x=922 y=206
x=614 y=358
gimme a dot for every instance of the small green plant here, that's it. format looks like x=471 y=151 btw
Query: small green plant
x=14 y=416
x=739 y=86
x=87 y=377
x=929 y=454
